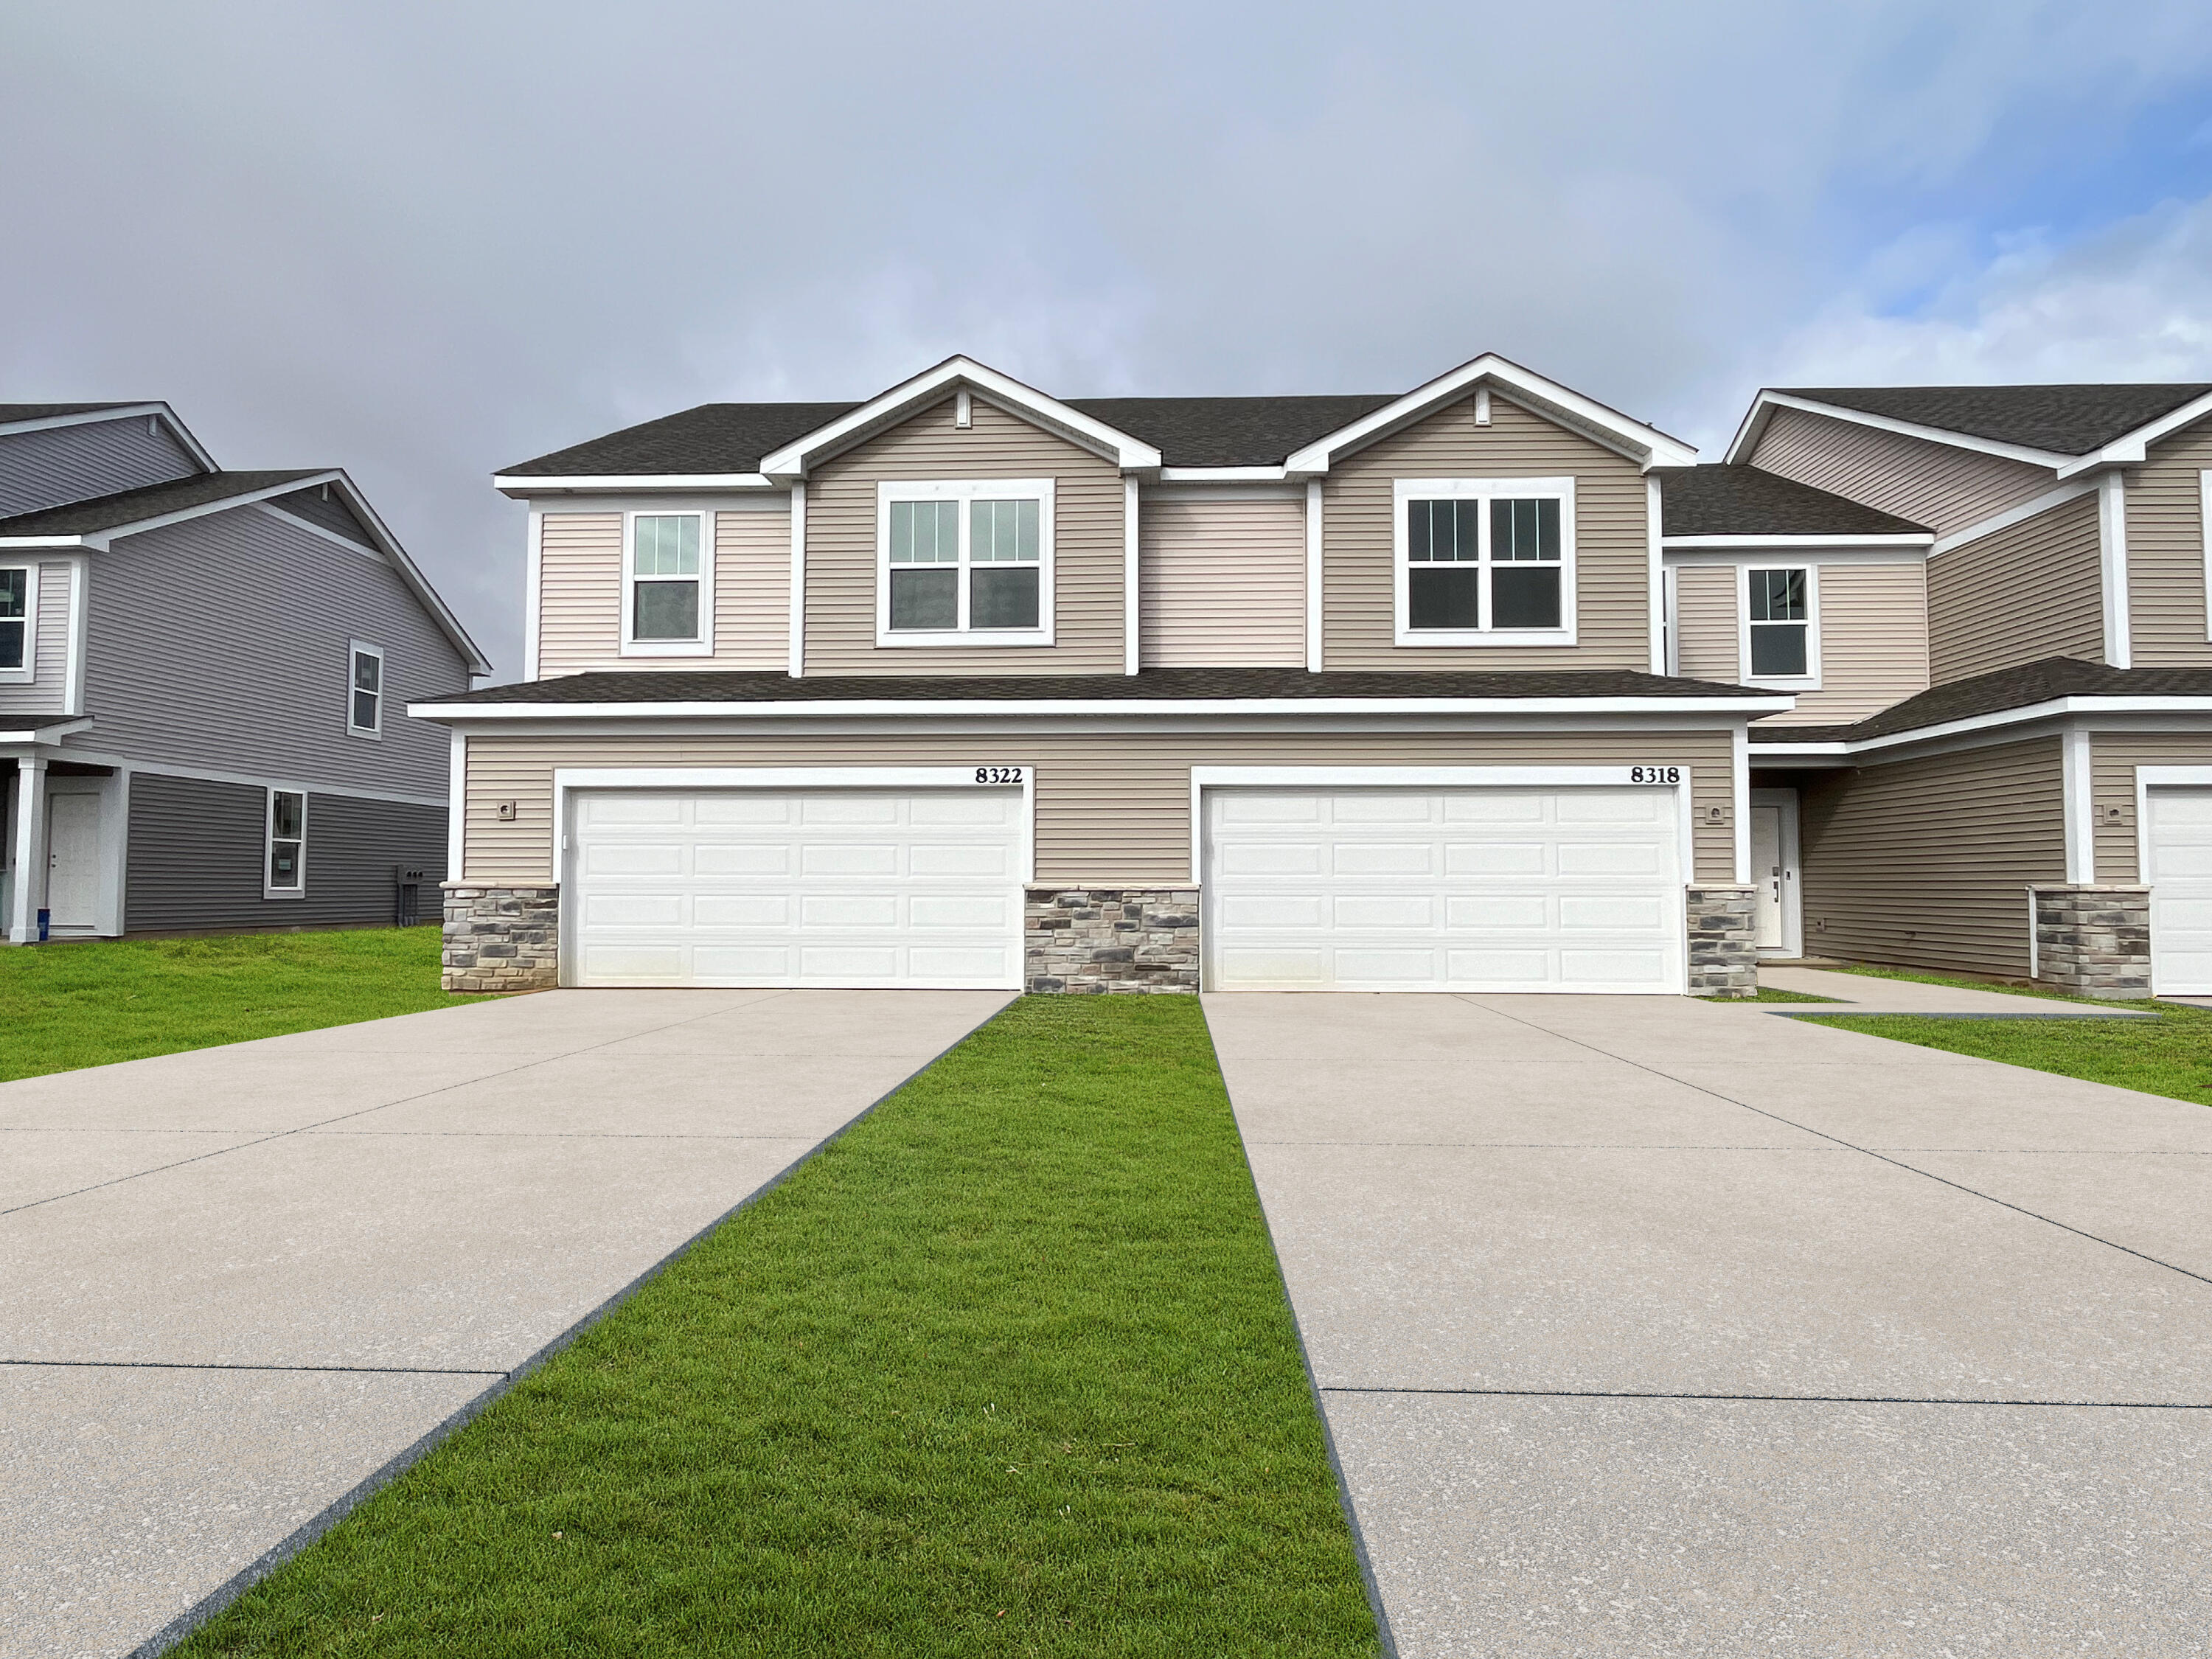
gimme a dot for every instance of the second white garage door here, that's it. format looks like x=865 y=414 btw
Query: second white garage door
x=2178 y=849
x=1444 y=889
x=855 y=888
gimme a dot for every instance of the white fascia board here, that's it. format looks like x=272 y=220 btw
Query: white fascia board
x=2034 y=507
x=1113 y=707
x=1797 y=544
x=2134 y=446
x=9 y=542
x=1935 y=434
x=1763 y=552
x=1225 y=474
x=1835 y=750
x=2055 y=708
x=101 y=539
x=792 y=460
x=159 y=411
x=48 y=734
x=415 y=580
x=520 y=488
x=1645 y=444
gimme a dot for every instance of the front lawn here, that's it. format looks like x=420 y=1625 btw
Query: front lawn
x=90 y=1002
x=1006 y=1369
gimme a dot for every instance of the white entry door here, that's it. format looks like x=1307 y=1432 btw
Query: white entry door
x=1774 y=870
x=2178 y=866
x=73 y=859
x=1475 y=889
x=828 y=887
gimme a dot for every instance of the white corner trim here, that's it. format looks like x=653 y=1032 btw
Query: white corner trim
x=1316 y=596
x=1132 y=576
x=1671 y=595
x=1656 y=571
x=1767 y=399
x=1802 y=543
x=2204 y=532
x=2077 y=790
x=457 y=806
x=2112 y=567
x=2032 y=508
x=795 y=625
x=533 y=594
x=1739 y=801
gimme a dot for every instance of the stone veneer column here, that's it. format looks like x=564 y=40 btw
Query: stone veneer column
x=1724 y=923
x=1092 y=939
x=2094 y=941
x=503 y=937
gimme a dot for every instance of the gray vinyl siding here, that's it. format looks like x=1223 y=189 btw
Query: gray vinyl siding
x=2031 y=590
x=317 y=505
x=1612 y=542
x=220 y=644
x=1939 y=485
x=2113 y=758
x=46 y=692
x=2166 y=552
x=58 y=464
x=196 y=847
x=1926 y=863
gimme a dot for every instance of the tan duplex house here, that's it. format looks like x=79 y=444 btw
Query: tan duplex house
x=1474 y=687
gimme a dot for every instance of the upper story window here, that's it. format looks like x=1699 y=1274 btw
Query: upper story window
x=1779 y=641
x=966 y=562
x=1485 y=562
x=365 y=691
x=18 y=594
x=668 y=586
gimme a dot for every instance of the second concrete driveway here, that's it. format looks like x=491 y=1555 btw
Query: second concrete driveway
x=1649 y=1327
x=237 y=1282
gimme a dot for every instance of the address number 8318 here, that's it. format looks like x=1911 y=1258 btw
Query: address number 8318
x=1654 y=774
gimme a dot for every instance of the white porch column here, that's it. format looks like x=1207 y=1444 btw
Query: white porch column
x=30 y=886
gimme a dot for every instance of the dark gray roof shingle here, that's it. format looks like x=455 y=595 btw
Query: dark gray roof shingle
x=2062 y=420
x=2006 y=688
x=1721 y=500
x=107 y=511
x=10 y=413
x=1229 y=431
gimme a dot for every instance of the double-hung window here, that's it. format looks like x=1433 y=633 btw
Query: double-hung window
x=964 y=562
x=1779 y=642
x=365 y=691
x=668 y=586
x=1485 y=560
x=19 y=595
x=284 y=874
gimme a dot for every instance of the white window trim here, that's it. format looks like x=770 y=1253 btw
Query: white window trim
x=269 y=842
x=965 y=489
x=357 y=648
x=704 y=645
x=1809 y=680
x=27 y=674
x=1435 y=489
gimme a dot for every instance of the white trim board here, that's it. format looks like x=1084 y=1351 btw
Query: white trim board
x=1122 y=708
x=2077 y=792
x=159 y=411
x=1800 y=543
x=2033 y=507
x=2112 y=568
x=523 y=486
x=1755 y=419
x=162 y=770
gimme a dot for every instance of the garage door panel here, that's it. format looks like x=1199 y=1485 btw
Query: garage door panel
x=1588 y=968
x=1600 y=806
x=846 y=809
x=740 y=910
x=955 y=859
x=1620 y=857
x=1499 y=857
x=1272 y=910
x=1494 y=807
x=743 y=807
x=1492 y=967
x=1383 y=859
x=848 y=859
x=633 y=910
x=1612 y=914
x=612 y=809
x=741 y=859
x=1492 y=911
x=633 y=859
x=1265 y=859
x=850 y=910
x=1416 y=911
x=2178 y=865
x=1269 y=809
x=767 y=964
x=2180 y=859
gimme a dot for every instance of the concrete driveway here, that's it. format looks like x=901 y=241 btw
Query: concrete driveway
x=236 y=1283
x=1650 y=1326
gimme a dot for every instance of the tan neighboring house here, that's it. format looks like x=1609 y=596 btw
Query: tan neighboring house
x=1483 y=686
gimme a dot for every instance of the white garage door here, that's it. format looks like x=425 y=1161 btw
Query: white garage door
x=805 y=887
x=1449 y=890
x=2178 y=853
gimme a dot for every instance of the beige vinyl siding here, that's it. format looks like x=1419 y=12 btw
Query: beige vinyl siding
x=1112 y=807
x=1939 y=485
x=1874 y=642
x=1087 y=546
x=47 y=690
x=1222 y=580
x=579 y=592
x=752 y=592
x=2031 y=590
x=2113 y=757
x=1926 y=863
x=1612 y=542
x=1706 y=644
x=2166 y=552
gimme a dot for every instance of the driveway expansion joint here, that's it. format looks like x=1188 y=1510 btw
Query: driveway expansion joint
x=1773 y=1399
x=221 y=1366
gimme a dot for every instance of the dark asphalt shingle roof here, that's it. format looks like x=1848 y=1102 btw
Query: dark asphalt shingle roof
x=1229 y=431
x=107 y=511
x=1154 y=684
x=2064 y=420
x=1724 y=500
x=10 y=413
x=1994 y=693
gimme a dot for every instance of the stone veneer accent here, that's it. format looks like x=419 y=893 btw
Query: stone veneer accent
x=1724 y=925
x=502 y=938
x=1092 y=939
x=2094 y=941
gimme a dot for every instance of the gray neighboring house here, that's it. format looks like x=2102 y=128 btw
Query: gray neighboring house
x=204 y=682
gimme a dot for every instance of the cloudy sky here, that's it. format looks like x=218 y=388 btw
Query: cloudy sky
x=422 y=241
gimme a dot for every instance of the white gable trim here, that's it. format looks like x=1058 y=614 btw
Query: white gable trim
x=2134 y=446
x=159 y=411
x=1754 y=424
x=1645 y=444
x=956 y=373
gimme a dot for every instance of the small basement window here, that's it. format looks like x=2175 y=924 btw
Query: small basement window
x=365 y=692
x=285 y=874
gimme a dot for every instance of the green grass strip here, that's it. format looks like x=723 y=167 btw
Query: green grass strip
x=1006 y=1369
x=2171 y=1056
x=93 y=1002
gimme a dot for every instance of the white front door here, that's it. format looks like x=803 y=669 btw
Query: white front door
x=2178 y=867
x=1467 y=889
x=1774 y=869
x=824 y=887
x=73 y=859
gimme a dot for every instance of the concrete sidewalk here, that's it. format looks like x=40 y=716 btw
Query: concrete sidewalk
x=1647 y=1327
x=236 y=1283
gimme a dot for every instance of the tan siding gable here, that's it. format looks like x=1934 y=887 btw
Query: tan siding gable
x=1611 y=541
x=841 y=545
x=1223 y=581
x=1939 y=485
x=2031 y=590
x=2166 y=552
x=1706 y=644
x=1874 y=642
